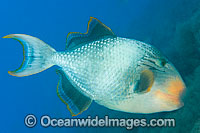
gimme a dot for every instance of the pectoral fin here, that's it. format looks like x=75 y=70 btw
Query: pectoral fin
x=145 y=83
x=76 y=101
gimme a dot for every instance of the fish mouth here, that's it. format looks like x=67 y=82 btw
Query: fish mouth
x=171 y=97
x=169 y=100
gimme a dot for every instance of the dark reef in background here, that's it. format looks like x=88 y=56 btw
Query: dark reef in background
x=187 y=60
x=174 y=27
x=187 y=44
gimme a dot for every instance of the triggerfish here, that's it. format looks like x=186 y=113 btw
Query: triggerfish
x=119 y=73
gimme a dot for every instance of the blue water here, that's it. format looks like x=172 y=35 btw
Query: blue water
x=171 y=25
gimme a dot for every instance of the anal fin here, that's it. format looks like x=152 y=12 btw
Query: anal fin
x=76 y=101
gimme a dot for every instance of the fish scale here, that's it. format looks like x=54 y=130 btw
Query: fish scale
x=103 y=56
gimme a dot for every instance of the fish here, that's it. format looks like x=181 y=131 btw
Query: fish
x=118 y=73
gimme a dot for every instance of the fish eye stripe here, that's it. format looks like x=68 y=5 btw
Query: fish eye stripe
x=151 y=64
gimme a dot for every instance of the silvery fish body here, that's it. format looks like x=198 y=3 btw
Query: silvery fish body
x=118 y=73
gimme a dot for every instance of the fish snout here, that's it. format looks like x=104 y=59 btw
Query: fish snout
x=171 y=97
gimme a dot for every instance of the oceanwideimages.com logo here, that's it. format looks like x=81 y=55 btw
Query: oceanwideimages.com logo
x=47 y=121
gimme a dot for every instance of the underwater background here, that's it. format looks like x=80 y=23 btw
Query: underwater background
x=173 y=26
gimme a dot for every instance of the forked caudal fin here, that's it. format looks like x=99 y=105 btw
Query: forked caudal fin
x=37 y=55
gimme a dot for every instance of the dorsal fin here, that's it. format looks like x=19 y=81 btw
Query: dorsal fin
x=95 y=30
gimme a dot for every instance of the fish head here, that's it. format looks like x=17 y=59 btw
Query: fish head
x=158 y=88
x=168 y=87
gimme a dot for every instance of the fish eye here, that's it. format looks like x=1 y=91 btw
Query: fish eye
x=162 y=62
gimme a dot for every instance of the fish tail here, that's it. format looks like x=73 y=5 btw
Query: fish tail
x=37 y=55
